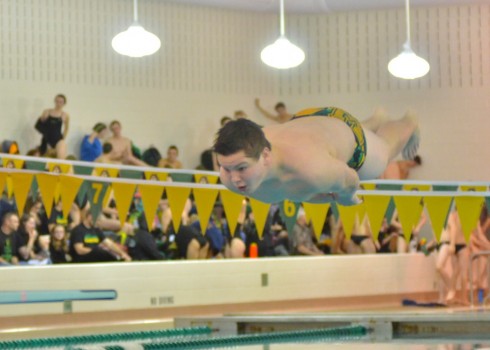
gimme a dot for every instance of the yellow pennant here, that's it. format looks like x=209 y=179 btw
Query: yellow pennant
x=21 y=185
x=368 y=186
x=59 y=168
x=469 y=210
x=151 y=196
x=123 y=195
x=409 y=212
x=177 y=197
x=3 y=181
x=69 y=186
x=47 y=186
x=205 y=199
x=57 y=192
x=106 y=172
x=208 y=179
x=232 y=204
x=12 y=163
x=10 y=187
x=416 y=187
x=156 y=176
x=481 y=188
x=376 y=209
x=438 y=209
x=261 y=211
x=348 y=215
x=316 y=214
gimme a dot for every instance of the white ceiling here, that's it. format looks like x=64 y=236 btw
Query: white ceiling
x=322 y=6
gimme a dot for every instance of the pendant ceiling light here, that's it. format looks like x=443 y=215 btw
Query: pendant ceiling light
x=136 y=41
x=282 y=54
x=408 y=65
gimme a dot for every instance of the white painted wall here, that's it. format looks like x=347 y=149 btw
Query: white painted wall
x=209 y=66
x=220 y=282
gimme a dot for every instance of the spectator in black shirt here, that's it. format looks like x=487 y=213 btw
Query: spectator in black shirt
x=88 y=244
x=8 y=239
x=58 y=245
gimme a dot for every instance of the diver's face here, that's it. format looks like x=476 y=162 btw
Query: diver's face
x=241 y=173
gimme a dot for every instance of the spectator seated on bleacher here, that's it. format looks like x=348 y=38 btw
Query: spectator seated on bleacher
x=88 y=243
x=58 y=245
x=91 y=147
x=29 y=250
x=9 y=244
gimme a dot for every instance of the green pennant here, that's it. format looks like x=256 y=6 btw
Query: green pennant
x=389 y=187
x=95 y=193
x=34 y=189
x=487 y=201
x=445 y=188
x=182 y=177
x=82 y=192
x=335 y=211
x=390 y=211
x=32 y=165
x=289 y=212
x=82 y=170
x=130 y=174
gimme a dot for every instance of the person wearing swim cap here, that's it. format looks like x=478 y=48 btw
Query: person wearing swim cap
x=319 y=156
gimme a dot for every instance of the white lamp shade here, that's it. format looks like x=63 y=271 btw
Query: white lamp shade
x=408 y=65
x=136 y=42
x=282 y=54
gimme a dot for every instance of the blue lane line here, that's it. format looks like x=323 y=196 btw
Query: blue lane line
x=52 y=296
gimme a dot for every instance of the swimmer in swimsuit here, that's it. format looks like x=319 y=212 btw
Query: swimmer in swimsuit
x=50 y=124
x=319 y=156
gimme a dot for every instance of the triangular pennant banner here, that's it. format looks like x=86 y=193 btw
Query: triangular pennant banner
x=416 y=187
x=469 y=210
x=12 y=163
x=123 y=195
x=69 y=186
x=261 y=212
x=82 y=193
x=487 y=201
x=151 y=196
x=376 y=209
x=34 y=165
x=444 y=188
x=348 y=215
x=208 y=179
x=316 y=214
x=205 y=199
x=21 y=185
x=177 y=197
x=479 y=188
x=289 y=211
x=390 y=211
x=409 y=211
x=59 y=168
x=438 y=209
x=34 y=189
x=107 y=172
x=131 y=174
x=368 y=186
x=47 y=186
x=156 y=176
x=95 y=194
x=10 y=186
x=232 y=204
x=3 y=181
x=82 y=170
x=107 y=196
x=181 y=177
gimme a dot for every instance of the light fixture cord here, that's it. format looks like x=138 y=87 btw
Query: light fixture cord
x=135 y=10
x=407 y=18
x=281 y=18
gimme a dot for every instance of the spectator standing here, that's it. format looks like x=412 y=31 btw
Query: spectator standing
x=50 y=124
x=282 y=115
